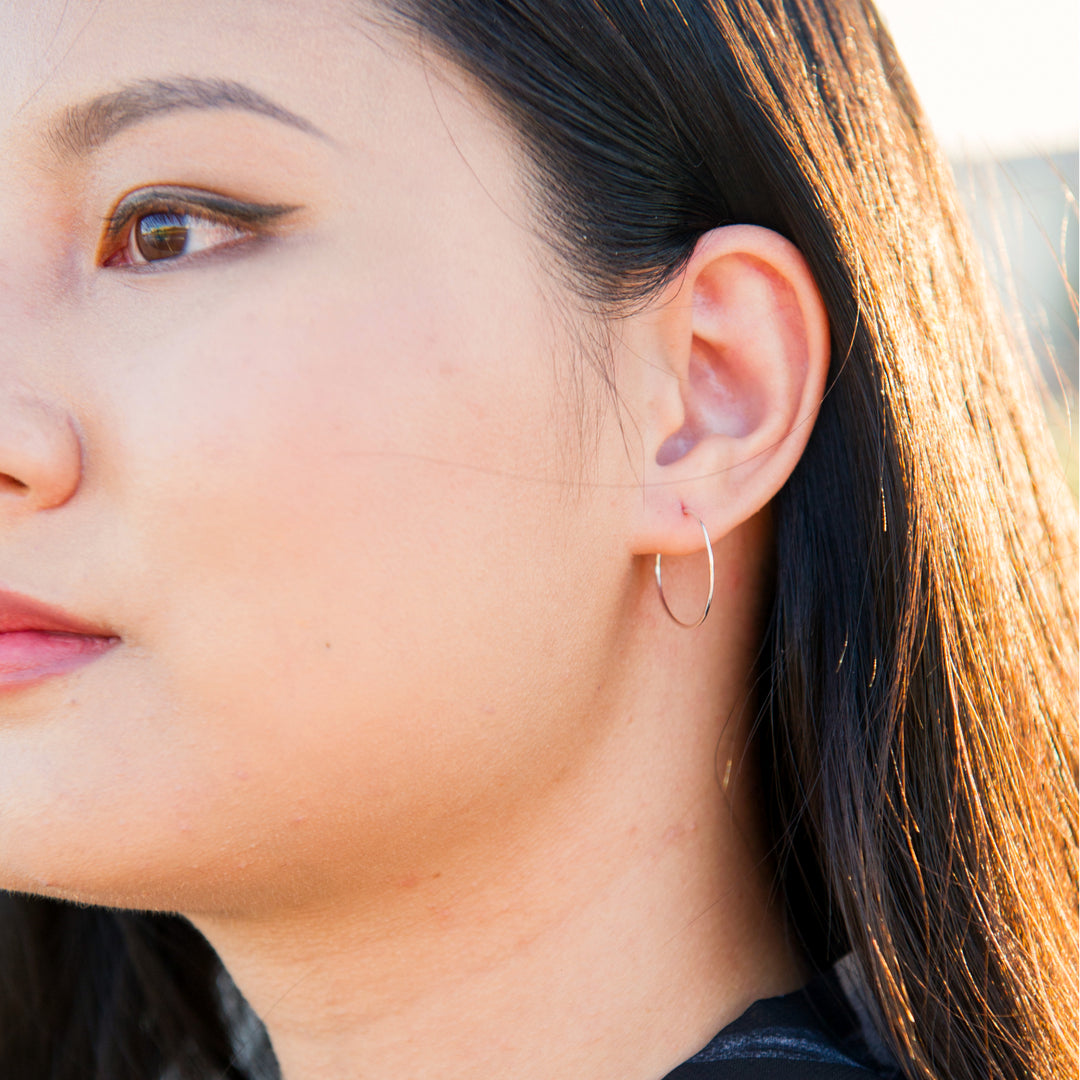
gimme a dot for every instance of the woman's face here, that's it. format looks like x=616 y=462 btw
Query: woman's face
x=288 y=408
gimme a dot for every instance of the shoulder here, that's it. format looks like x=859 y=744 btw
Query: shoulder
x=821 y=1032
x=770 y=1069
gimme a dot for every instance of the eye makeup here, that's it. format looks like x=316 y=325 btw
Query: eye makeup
x=169 y=223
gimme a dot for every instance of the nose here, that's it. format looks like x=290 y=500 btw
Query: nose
x=40 y=453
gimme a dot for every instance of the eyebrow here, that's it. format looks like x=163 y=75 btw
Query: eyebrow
x=83 y=128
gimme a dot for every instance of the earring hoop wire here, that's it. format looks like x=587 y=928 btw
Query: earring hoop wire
x=712 y=579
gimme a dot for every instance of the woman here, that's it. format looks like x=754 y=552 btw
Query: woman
x=522 y=528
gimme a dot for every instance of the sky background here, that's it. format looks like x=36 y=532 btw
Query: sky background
x=998 y=78
x=1000 y=81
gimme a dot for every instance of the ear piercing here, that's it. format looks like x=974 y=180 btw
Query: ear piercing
x=712 y=578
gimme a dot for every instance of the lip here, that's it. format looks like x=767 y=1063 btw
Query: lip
x=38 y=640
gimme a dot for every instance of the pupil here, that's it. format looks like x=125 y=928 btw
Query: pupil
x=161 y=236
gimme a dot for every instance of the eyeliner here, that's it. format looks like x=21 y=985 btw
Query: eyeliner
x=164 y=199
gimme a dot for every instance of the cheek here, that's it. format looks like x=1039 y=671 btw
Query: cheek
x=346 y=462
x=325 y=486
x=341 y=535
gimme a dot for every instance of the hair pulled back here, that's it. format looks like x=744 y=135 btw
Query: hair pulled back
x=917 y=681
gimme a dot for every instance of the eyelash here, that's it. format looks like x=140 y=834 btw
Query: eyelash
x=243 y=223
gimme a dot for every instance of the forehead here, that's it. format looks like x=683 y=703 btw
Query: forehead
x=313 y=104
x=54 y=53
x=76 y=72
x=333 y=66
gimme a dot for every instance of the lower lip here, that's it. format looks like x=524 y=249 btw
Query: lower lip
x=27 y=655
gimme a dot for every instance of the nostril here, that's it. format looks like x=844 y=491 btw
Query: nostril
x=10 y=486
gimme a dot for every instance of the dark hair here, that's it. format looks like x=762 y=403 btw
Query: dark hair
x=919 y=667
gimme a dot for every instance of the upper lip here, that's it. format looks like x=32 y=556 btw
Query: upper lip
x=19 y=612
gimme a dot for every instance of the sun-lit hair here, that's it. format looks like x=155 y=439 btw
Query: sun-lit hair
x=919 y=673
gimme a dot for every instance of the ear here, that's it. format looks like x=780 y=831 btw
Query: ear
x=738 y=352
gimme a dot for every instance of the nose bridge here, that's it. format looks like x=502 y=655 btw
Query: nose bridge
x=40 y=448
x=26 y=291
x=11 y=239
x=40 y=444
x=17 y=314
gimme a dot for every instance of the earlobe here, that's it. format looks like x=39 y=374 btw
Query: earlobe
x=744 y=341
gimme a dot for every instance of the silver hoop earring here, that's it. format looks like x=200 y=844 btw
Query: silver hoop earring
x=712 y=579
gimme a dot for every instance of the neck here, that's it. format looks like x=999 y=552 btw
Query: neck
x=609 y=934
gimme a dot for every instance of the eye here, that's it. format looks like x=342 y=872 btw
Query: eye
x=170 y=235
x=162 y=225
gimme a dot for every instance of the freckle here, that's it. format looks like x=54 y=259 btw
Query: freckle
x=437 y=874
x=328 y=644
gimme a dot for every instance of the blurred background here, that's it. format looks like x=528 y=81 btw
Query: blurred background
x=1000 y=81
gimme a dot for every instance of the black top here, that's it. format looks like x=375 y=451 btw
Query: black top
x=821 y=1032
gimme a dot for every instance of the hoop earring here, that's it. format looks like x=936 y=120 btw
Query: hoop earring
x=712 y=579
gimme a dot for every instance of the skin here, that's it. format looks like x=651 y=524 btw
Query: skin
x=396 y=718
